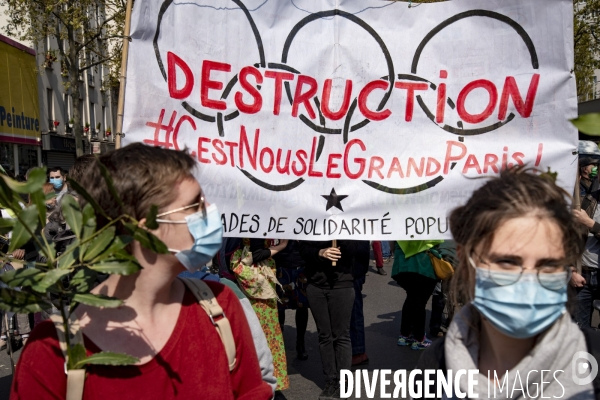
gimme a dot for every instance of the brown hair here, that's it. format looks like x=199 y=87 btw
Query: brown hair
x=48 y=188
x=517 y=192
x=143 y=176
x=80 y=167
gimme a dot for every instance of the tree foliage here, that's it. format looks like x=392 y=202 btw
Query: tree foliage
x=587 y=46
x=89 y=33
x=64 y=280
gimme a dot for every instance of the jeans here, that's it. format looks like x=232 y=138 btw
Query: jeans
x=385 y=249
x=332 y=311
x=357 y=322
x=418 y=289
x=585 y=298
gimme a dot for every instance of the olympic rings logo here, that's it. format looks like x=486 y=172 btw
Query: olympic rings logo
x=386 y=83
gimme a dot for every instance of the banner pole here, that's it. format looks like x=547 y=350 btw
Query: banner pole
x=123 y=77
x=577 y=206
x=334 y=244
x=576 y=195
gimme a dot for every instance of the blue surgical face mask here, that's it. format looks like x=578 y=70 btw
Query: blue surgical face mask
x=57 y=183
x=207 y=234
x=522 y=309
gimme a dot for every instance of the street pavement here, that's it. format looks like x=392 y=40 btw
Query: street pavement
x=383 y=300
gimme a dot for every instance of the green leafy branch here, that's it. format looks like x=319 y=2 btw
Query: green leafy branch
x=64 y=280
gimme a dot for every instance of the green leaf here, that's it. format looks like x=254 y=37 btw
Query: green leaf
x=118 y=244
x=7 y=225
x=84 y=280
x=39 y=199
x=72 y=213
x=89 y=221
x=107 y=358
x=77 y=354
x=21 y=234
x=68 y=258
x=37 y=178
x=22 y=277
x=588 y=124
x=97 y=300
x=110 y=184
x=99 y=244
x=147 y=239
x=21 y=301
x=50 y=279
x=114 y=266
x=88 y=198
x=151 y=218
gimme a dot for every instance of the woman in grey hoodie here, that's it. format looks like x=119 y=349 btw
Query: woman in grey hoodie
x=517 y=242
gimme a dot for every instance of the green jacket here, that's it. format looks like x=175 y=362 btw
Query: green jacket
x=419 y=263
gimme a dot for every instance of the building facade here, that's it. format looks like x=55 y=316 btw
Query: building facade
x=20 y=118
x=55 y=145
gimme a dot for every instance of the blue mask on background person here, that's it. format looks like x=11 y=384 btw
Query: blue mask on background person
x=207 y=234
x=57 y=183
x=522 y=309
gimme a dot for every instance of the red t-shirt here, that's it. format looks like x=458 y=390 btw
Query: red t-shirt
x=192 y=364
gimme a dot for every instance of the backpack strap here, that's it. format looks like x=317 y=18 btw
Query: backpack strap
x=75 y=377
x=209 y=303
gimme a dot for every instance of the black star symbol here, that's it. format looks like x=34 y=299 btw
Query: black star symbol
x=334 y=200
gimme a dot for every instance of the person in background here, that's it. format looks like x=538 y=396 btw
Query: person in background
x=331 y=296
x=386 y=251
x=438 y=321
x=357 y=321
x=292 y=293
x=57 y=178
x=266 y=311
x=180 y=353
x=414 y=273
x=51 y=203
x=378 y=255
x=588 y=218
x=517 y=241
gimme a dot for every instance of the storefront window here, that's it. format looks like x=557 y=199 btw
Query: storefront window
x=28 y=158
x=7 y=157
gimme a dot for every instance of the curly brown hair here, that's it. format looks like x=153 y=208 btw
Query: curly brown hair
x=517 y=192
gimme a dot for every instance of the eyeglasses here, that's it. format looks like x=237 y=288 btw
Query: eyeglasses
x=505 y=271
x=201 y=204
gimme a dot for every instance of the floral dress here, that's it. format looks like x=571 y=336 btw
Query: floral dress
x=266 y=311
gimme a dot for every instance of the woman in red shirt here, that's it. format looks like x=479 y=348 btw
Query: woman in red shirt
x=161 y=322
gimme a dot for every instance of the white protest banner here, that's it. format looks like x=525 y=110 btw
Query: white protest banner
x=352 y=119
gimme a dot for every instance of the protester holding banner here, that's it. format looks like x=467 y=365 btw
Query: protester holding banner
x=517 y=241
x=180 y=352
x=331 y=296
x=357 y=322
